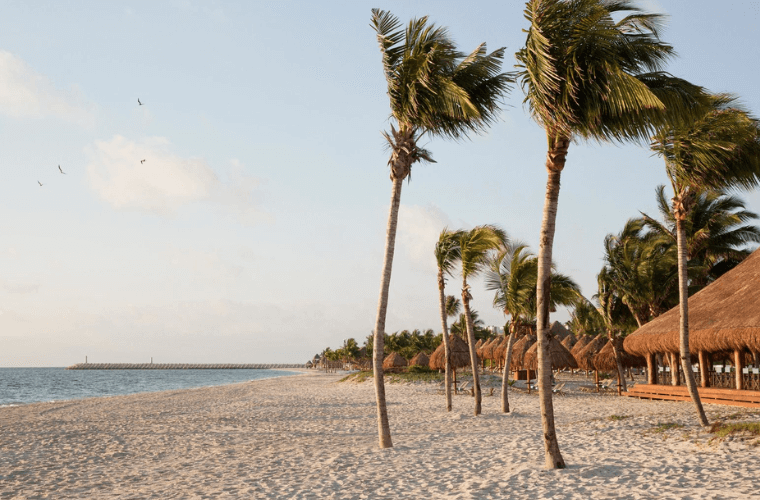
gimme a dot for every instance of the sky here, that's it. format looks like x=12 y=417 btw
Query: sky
x=254 y=229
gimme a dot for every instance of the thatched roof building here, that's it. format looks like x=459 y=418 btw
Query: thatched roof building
x=585 y=356
x=605 y=359
x=420 y=359
x=569 y=342
x=724 y=316
x=485 y=350
x=561 y=357
x=518 y=351
x=460 y=354
x=393 y=361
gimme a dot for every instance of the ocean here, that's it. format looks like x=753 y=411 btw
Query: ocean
x=33 y=385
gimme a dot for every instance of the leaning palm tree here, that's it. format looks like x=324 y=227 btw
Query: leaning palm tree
x=434 y=89
x=446 y=255
x=719 y=150
x=475 y=249
x=453 y=306
x=512 y=275
x=588 y=76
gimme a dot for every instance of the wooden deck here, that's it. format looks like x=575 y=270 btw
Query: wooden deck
x=731 y=397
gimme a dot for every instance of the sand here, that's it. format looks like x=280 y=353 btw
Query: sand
x=308 y=436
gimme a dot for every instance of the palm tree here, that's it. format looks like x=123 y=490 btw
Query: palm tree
x=434 y=89
x=475 y=248
x=587 y=76
x=459 y=327
x=446 y=255
x=585 y=318
x=512 y=275
x=716 y=227
x=719 y=150
x=453 y=306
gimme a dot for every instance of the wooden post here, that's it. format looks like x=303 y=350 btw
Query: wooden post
x=704 y=369
x=596 y=379
x=673 y=362
x=528 y=380
x=739 y=364
x=651 y=369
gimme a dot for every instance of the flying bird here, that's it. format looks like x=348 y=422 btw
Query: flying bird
x=59 y=168
x=142 y=161
x=38 y=182
x=138 y=101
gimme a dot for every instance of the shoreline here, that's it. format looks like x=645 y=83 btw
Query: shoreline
x=310 y=437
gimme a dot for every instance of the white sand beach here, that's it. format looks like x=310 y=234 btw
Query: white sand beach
x=309 y=437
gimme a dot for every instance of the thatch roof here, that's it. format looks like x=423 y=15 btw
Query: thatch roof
x=569 y=342
x=585 y=356
x=484 y=351
x=394 y=360
x=478 y=344
x=497 y=347
x=460 y=354
x=561 y=357
x=559 y=331
x=518 y=351
x=582 y=342
x=723 y=316
x=420 y=359
x=605 y=359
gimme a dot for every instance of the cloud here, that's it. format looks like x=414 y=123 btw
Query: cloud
x=25 y=93
x=165 y=181
x=21 y=288
x=418 y=230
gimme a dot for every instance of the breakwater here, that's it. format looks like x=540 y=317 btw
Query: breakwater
x=180 y=366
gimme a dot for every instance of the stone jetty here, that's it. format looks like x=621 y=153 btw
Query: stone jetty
x=179 y=366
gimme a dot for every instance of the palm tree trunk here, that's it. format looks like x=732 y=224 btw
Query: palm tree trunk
x=691 y=383
x=471 y=341
x=554 y=164
x=446 y=347
x=383 y=426
x=505 y=375
x=619 y=363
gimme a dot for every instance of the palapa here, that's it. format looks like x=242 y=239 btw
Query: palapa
x=585 y=357
x=569 y=342
x=560 y=356
x=481 y=351
x=420 y=359
x=518 y=351
x=723 y=316
x=460 y=354
x=582 y=342
x=559 y=331
x=605 y=359
x=394 y=361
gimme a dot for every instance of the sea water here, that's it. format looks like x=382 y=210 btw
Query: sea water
x=32 y=385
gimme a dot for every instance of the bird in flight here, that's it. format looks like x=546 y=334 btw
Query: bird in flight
x=142 y=161
x=138 y=101
x=59 y=168
x=38 y=182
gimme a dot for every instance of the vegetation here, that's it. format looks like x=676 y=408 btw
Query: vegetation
x=660 y=428
x=616 y=418
x=437 y=90
x=447 y=253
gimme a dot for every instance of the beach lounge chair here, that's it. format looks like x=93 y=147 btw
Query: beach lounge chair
x=559 y=389
x=463 y=387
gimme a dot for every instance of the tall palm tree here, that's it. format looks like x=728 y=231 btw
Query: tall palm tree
x=434 y=89
x=512 y=275
x=716 y=228
x=719 y=150
x=446 y=255
x=475 y=249
x=453 y=306
x=588 y=76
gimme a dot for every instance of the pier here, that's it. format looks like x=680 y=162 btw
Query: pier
x=180 y=366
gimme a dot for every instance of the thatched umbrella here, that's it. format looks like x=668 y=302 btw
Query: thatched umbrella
x=585 y=356
x=394 y=361
x=460 y=356
x=569 y=342
x=518 y=351
x=560 y=356
x=723 y=316
x=559 y=331
x=605 y=359
x=582 y=342
x=420 y=359
x=481 y=351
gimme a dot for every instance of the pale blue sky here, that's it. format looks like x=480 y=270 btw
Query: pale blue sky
x=254 y=230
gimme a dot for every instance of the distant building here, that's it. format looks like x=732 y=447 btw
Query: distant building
x=495 y=330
